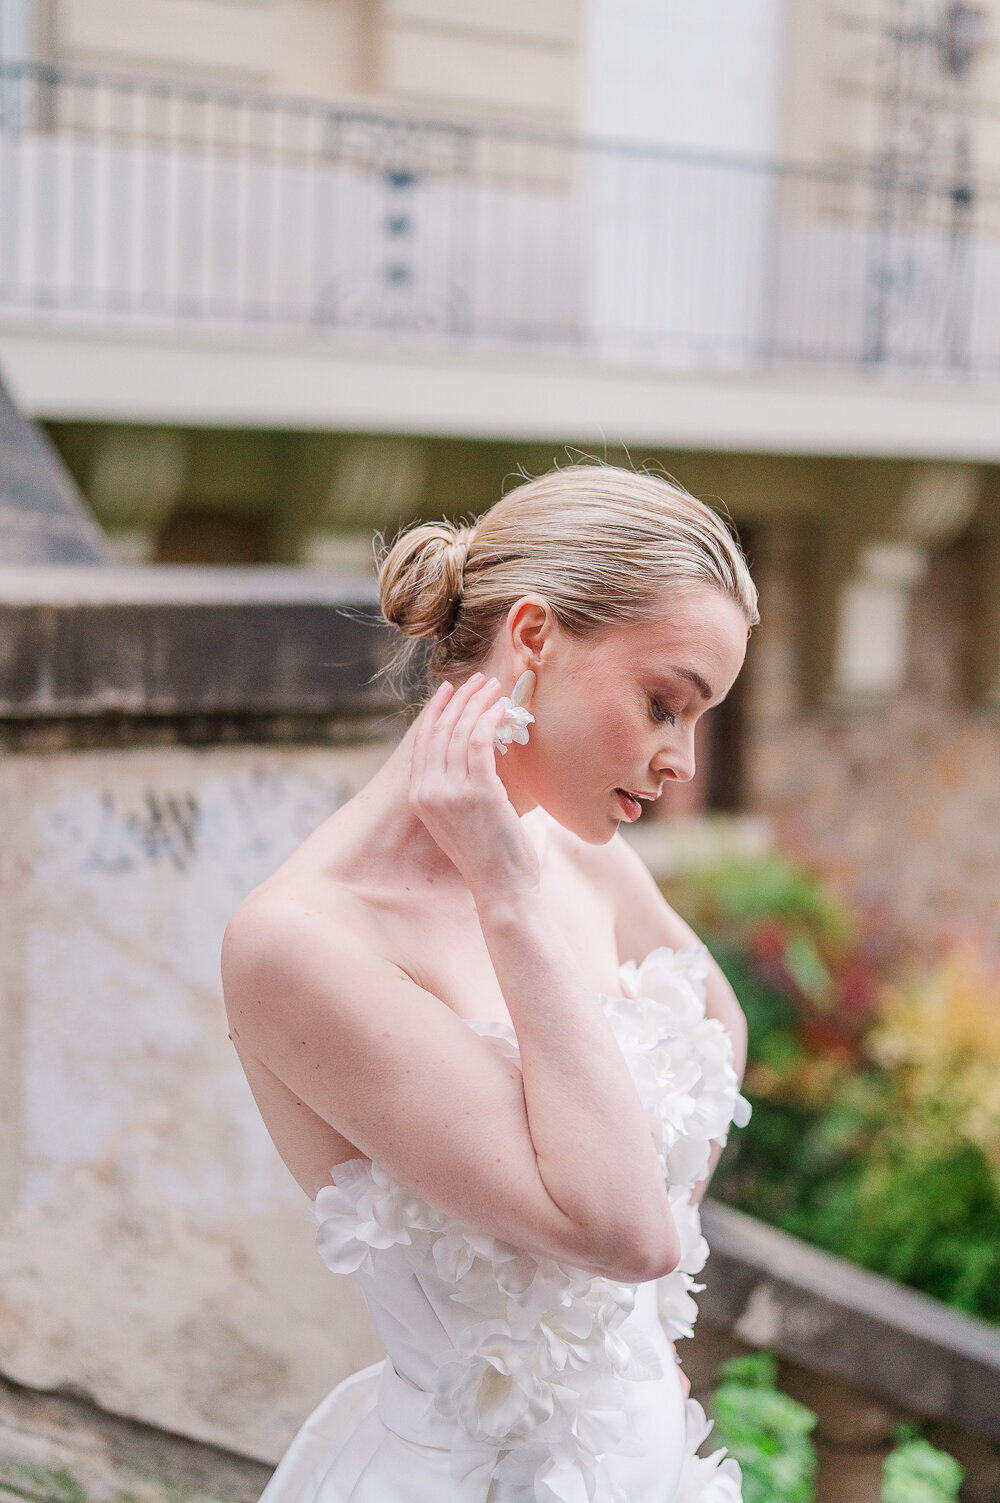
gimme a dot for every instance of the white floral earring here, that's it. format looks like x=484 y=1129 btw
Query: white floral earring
x=517 y=717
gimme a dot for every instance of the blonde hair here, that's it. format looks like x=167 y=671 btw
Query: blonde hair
x=598 y=542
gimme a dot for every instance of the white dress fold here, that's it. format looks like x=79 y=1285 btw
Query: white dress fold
x=511 y=1378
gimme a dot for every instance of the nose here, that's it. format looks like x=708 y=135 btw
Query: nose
x=676 y=760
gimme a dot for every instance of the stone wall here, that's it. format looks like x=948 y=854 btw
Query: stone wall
x=155 y=1253
x=898 y=801
x=154 y=1250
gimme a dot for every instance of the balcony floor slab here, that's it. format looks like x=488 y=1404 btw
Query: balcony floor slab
x=74 y=373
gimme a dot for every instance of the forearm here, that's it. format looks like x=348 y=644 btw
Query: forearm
x=592 y=1140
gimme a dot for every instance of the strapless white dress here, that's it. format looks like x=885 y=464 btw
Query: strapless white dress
x=512 y=1378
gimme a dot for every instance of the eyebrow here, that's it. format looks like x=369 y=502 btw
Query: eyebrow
x=702 y=685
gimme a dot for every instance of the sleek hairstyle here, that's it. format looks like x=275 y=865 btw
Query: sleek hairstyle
x=598 y=542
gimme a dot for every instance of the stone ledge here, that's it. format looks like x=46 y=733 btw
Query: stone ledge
x=772 y=1289
x=164 y=641
x=47 y=1437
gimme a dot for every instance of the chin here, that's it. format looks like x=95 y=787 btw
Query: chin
x=581 y=822
x=601 y=835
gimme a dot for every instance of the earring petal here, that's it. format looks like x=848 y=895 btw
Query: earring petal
x=513 y=727
x=523 y=689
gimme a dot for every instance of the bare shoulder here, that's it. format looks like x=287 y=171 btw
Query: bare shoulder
x=277 y=904
x=287 y=931
x=395 y=1073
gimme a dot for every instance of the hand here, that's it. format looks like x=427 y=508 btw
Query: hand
x=456 y=791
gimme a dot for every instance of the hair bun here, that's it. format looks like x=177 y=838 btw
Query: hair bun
x=420 y=579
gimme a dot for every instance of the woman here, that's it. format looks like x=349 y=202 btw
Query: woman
x=492 y=1056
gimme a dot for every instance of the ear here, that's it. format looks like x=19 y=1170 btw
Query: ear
x=529 y=629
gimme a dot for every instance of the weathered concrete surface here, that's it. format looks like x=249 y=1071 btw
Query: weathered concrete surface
x=773 y=1290
x=42 y=517
x=56 y=1448
x=168 y=641
x=154 y=1251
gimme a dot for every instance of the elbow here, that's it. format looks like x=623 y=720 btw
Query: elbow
x=652 y=1259
x=633 y=1252
x=666 y=1259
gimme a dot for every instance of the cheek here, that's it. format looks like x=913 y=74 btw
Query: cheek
x=603 y=744
x=608 y=745
x=578 y=760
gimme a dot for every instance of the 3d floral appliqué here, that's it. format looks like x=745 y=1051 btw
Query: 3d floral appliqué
x=545 y=1368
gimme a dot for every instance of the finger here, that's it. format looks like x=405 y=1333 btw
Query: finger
x=424 y=724
x=441 y=732
x=448 y=719
x=457 y=755
x=482 y=751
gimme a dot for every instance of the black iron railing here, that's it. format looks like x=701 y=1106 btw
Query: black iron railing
x=127 y=200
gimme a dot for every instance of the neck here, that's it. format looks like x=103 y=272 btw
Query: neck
x=392 y=829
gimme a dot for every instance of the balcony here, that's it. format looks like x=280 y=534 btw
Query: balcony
x=219 y=221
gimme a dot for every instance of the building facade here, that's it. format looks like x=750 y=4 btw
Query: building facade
x=276 y=274
x=280 y=273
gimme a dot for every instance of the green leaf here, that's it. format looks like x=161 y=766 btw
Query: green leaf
x=916 y=1472
x=810 y=974
x=755 y=1370
x=768 y=1433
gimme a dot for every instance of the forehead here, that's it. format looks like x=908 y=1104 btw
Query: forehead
x=694 y=626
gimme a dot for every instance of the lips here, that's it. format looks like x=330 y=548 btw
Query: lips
x=629 y=804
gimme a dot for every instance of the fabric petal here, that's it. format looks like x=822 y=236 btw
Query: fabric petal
x=540 y=1368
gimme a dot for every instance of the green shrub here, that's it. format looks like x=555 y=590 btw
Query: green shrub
x=876 y=1110
x=915 y=1472
x=767 y=1432
x=770 y=1435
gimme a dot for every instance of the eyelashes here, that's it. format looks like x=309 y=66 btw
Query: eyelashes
x=662 y=714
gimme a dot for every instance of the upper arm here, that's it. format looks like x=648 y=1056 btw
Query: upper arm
x=387 y=1064
x=645 y=920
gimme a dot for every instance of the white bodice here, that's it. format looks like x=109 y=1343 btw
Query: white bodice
x=541 y=1380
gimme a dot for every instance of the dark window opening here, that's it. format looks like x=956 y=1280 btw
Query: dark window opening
x=214 y=535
